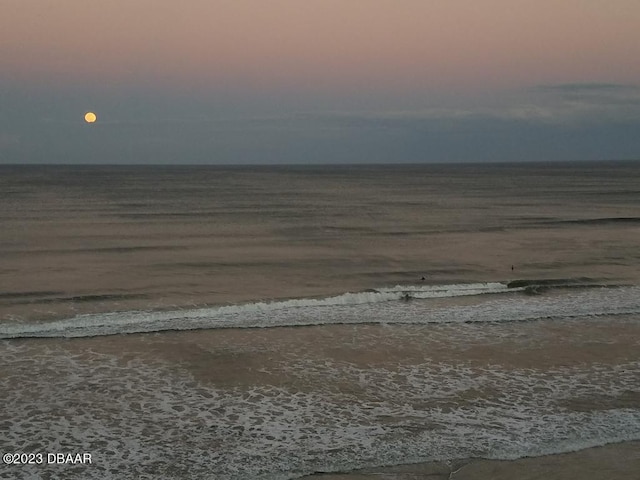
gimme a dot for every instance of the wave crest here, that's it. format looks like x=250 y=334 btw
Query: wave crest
x=373 y=306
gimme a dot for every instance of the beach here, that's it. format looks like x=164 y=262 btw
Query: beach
x=600 y=463
x=321 y=322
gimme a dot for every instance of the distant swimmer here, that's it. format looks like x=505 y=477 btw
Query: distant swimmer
x=423 y=279
x=406 y=297
x=512 y=268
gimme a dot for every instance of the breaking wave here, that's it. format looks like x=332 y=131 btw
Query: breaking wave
x=385 y=305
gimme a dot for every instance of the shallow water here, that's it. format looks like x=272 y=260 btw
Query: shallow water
x=282 y=402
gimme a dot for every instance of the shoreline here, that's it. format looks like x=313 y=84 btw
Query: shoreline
x=616 y=460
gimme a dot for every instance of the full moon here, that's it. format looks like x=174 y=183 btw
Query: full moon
x=90 y=117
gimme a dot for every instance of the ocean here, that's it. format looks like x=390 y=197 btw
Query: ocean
x=271 y=323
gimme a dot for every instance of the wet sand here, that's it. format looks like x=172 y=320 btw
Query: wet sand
x=617 y=461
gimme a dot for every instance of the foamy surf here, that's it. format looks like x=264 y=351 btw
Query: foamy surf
x=160 y=419
x=374 y=306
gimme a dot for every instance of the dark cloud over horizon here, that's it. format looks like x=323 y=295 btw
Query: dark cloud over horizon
x=577 y=121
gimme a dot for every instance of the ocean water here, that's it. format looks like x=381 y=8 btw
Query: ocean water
x=273 y=322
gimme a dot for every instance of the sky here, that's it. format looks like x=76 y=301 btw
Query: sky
x=319 y=81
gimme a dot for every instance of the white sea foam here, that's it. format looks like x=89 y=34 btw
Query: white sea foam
x=379 y=306
x=153 y=419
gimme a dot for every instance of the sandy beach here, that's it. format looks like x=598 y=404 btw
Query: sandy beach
x=617 y=461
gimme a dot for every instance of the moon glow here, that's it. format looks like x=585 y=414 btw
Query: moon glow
x=90 y=117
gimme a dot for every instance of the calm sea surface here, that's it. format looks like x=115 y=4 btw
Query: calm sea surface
x=272 y=322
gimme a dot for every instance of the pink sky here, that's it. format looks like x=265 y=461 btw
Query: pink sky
x=465 y=45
